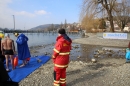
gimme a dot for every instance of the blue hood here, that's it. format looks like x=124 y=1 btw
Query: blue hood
x=21 y=39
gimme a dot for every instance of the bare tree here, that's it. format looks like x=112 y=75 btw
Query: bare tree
x=122 y=13
x=90 y=23
x=102 y=24
x=65 y=24
x=96 y=7
x=61 y=25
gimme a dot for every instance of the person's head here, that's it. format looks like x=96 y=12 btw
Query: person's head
x=16 y=34
x=61 y=31
x=7 y=35
x=1 y=35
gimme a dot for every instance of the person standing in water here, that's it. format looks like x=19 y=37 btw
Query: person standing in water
x=8 y=49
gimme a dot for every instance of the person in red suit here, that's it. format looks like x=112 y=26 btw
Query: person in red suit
x=60 y=57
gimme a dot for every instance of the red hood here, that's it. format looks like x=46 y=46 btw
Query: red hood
x=62 y=39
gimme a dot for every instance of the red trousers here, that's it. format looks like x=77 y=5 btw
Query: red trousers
x=59 y=76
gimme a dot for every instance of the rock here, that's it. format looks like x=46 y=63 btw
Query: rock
x=79 y=56
x=93 y=60
x=38 y=60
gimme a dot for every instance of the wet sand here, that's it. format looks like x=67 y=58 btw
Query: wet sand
x=109 y=70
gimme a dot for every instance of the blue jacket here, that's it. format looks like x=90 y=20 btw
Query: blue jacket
x=127 y=56
x=22 y=47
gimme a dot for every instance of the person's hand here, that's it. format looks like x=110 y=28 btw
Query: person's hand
x=52 y=57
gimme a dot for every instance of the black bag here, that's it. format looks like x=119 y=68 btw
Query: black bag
x=9 y=83
x=3 y=73
x=5 y=80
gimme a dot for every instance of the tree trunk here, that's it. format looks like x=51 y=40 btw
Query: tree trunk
x=123 y=25
x=112 y=25
x=111 y=21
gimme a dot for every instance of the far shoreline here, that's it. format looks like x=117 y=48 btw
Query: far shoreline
x=93 y=39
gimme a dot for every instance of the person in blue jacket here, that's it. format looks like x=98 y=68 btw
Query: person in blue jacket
x=127 y=55
x=22 y=48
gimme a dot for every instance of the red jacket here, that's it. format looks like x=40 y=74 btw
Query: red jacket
x=61 y=52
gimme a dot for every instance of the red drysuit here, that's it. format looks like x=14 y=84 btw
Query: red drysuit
x=60 y=57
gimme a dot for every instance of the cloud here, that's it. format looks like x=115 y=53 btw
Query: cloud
x=40 y=12
x=6 y=15
x=4 y=3
x=24 y=13
x=3 y=6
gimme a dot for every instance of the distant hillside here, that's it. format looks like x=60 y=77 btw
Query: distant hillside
x=45 y=27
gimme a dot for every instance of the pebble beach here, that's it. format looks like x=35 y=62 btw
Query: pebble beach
x=105 y=72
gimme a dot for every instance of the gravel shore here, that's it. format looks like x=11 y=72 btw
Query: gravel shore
x=93 y=39
x=105 y=72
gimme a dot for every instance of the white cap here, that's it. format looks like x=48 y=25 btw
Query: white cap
x=6 y=35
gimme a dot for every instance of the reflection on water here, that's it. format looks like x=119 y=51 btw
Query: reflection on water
x=87 y=52
x=83 y=52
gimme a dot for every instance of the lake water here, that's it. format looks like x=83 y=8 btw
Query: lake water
x=82 y=52
x=42 y=38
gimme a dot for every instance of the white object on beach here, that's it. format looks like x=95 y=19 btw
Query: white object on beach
x=93 y=60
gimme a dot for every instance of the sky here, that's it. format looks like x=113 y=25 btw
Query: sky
x=31 y=13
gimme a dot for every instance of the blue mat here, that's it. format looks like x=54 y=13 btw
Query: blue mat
x=20 y=73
